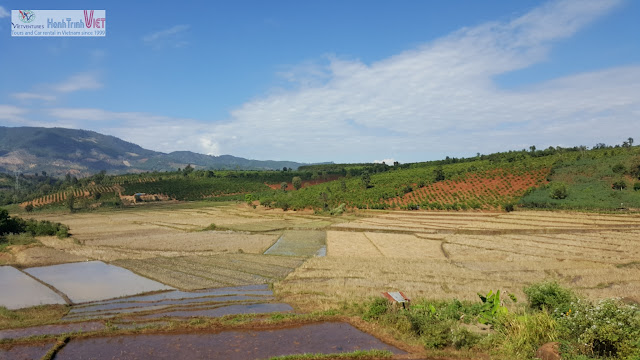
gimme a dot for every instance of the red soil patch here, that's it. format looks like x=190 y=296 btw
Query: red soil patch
x=305 y=183
x=487 y=190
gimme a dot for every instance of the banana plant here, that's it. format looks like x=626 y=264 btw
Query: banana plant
x=492 y=308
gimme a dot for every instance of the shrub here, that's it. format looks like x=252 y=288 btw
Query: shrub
x=435 y=335
x=618 y=168
x=607 y=328
x=550 y=296
x=17 y=239
x=28 y=208
x=619 y=185
x=508 y=207
x=558 y=191
x=636 y=186
x=463 y=338
x=377 y=308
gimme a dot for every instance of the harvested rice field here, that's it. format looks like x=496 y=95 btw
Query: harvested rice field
x=456 y=255
x=421 y=253
x=201 y=272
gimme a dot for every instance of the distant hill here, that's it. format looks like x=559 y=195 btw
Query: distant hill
x=59 y=151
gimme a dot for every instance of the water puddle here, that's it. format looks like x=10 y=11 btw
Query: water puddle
x=50 y=330
x=224 y=310
x=18 y=290
x=273 y=250
x=26 y=351
x=322 y=251
x=94 y=280
x=233 y=345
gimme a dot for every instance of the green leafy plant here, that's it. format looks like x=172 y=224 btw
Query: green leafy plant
x=377 y=308
x=551 y=296
x=608 y=328
x=558 y=191
x=492 y=308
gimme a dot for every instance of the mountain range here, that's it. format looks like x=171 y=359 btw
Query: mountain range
x=59 y=151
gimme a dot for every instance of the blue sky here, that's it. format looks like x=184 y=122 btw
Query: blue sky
x=343 y=81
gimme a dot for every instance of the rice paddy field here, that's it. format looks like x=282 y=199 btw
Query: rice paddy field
x=317 y=262
x=456 y=255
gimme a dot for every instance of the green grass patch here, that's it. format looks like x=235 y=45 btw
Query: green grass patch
x=16 y=239
x=33 y=316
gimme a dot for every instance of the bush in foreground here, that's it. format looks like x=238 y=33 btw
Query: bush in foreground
x=586 y=330
x=550 y=296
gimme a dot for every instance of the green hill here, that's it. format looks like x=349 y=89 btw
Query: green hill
x=604 y=178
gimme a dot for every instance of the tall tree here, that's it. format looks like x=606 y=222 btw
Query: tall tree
x=297 y=182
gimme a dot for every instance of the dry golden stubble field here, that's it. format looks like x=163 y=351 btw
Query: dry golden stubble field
x=597 y=254
x=173 y=245
x=520 y=220
x=424 y=254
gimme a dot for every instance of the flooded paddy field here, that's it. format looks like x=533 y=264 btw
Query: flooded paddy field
x=26 y=352
x=208 y=303
x=94 y=280
x=19 y=290
x=327 y=338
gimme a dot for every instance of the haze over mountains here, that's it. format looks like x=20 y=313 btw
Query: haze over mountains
x=80 y=152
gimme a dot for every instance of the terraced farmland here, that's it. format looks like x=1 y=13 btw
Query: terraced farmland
x=78 y=193
x=446 y=255
x=201 y=272
x=424 y=254
x=489 y=190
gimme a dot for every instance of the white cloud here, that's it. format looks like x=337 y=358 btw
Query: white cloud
x=12 y=113
x=48 y=92
x=4 y=12
x=160 y=133
x=385 y=161
x=437 y=99
x=82 y=81
x=440 y=97
x=167 y=37
x=33 y=96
